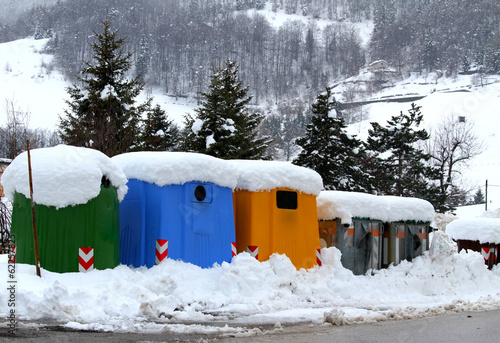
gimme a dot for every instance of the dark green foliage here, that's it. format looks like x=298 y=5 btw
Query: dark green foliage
x=329 y=150
x=397 y=165
x=102 y=113
x=159 y=133
x=142 y=64
x=478 y=197
x=224 y=126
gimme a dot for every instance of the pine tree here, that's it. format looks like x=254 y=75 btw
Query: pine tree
x=429 y=53
x=142 y=64
x=329 y=150
x=102 y=114
x=478 y=197
x=158 y=132
x=397 y=165
x=224 y=126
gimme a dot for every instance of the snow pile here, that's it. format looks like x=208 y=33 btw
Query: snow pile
x=348 y=205
x=62 y=176
x=442 y=246
x=255 y=176
x=176 y=168
x=248 y=291
x=484 y=230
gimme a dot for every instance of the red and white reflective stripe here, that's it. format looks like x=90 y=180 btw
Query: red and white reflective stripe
x=161 y=250
x=12 y=254
x=85 y=259
x=319 y=258
x=486 y=253
x=253 y=250
x=233 y=249
x=496 y=254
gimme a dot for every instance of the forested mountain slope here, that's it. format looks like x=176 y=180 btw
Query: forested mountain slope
x=286 y=49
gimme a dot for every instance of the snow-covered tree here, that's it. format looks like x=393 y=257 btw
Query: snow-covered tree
x=478 y=197
x=329 y=150
x=142 y=64
x=397 y=165
x=102 y=114
x=224 y=126
x=158 y=132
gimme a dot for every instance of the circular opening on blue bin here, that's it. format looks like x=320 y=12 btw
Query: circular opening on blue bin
x=200 y=193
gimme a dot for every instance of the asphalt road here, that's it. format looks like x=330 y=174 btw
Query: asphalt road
x=462 y=327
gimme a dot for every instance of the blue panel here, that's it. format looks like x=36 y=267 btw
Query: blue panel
x=210 y=229
x=196 y=218
x=132 y=225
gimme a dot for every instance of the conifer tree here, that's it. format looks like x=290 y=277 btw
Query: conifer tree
x=141 y=66
x=102 y=113
x=158 y=132
x=478 y=197
x=329 y=150
x=224 y=126
x=398 y=166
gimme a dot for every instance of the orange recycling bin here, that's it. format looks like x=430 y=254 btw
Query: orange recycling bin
x=278 y=217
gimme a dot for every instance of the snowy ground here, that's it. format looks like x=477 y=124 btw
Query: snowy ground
x=174 y=295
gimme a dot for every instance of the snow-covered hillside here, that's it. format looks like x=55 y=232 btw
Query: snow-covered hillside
x=28 y=80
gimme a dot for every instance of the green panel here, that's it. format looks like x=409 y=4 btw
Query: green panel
x=61 y=232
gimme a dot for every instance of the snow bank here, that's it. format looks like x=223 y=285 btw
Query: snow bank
x=257 y=176
x=62 y=176
x=248 y=291
x=484 y=230
x=176 y=168
x=348 y=205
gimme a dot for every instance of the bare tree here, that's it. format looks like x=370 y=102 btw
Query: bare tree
x=15 y=131
x=452 y=145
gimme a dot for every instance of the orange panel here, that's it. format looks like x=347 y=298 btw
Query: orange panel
x=328 y=227
x=259 y=222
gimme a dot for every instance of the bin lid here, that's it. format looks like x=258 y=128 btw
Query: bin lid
x=484 y=230
x=176 y=168
x=62 y=175
x=258 y=175
x=348 y=205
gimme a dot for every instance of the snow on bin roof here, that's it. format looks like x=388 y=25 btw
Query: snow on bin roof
x=176 y=168
x=267 y=175
x=62 y=175
x=484 y=230
x=348 y=205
